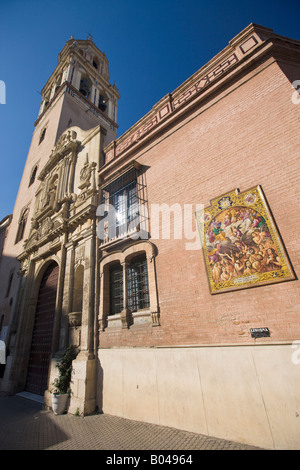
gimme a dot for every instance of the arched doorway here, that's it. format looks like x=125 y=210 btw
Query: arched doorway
x=40 y=353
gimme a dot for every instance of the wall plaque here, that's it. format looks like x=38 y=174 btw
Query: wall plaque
x=241 y=244
x=259 y=332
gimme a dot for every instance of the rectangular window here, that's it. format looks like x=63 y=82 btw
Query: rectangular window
x=137 y=285
x=121 y=199
x=22 y=225
x=116 y=290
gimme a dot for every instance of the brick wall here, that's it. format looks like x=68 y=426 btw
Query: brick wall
x=244 y=136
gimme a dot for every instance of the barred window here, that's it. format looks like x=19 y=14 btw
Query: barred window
x=137 y=284
x=122 y=194
x=116 y=290
x=128 y=287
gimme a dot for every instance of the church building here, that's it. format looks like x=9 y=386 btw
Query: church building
x=169 y=256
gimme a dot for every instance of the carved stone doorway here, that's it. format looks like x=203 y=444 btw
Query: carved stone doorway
x=41 y=345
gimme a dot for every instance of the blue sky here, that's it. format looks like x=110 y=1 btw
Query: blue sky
x=152 y=47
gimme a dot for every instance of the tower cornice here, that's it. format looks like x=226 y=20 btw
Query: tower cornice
x=254 y=43
x=85 y=67
x=67 y=87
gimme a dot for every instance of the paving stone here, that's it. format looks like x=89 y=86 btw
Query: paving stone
x=24 y=425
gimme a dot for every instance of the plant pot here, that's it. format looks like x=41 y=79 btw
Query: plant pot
x=59 y=403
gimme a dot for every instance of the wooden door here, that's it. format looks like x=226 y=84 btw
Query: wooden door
x=39 y=360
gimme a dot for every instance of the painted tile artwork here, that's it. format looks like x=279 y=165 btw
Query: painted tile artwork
x=241 y=245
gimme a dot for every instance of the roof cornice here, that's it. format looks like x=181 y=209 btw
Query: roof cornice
x=253 y=41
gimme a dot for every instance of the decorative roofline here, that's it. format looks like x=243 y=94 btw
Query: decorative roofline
x=72 y=48
x=67 y=87
x=240 y=48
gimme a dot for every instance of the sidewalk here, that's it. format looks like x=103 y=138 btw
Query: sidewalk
x=24 y=425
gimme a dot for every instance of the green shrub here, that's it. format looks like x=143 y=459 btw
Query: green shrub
x=64 y=365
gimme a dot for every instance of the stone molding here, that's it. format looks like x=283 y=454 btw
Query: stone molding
x=127 y=318
x=241 y=48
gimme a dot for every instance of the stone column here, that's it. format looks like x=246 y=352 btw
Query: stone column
x=69 y=278
x=52 y=91
x=60 y=330
x=88 y=296
x=68 y=71
x=154 y=308
x=76 y=78
x=83 y=397
x=94 y=96
x=125 y=314
x=102 y=317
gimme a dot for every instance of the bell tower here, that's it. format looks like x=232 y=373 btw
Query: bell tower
x=78 y=93
x=54 y=225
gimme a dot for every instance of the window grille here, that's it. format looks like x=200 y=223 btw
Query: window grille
x=125 y=195
x=137 y=285
x=116 y=290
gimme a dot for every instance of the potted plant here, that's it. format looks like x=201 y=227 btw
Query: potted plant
x=61 y=384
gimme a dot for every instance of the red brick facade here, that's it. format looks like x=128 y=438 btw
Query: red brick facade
x=154 y=343
x=240 y=132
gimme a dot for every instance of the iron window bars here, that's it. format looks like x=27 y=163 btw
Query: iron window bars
x=126 y=196
x=137 y=286
x=116 y=290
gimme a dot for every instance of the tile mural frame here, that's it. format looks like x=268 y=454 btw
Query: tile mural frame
x=241 y=244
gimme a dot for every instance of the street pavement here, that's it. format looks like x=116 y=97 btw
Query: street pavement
x=25 y=425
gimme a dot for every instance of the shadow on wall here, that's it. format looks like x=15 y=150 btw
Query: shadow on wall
x=9 y=282
x=99 y=385
x=32 y=328
x=27 y=326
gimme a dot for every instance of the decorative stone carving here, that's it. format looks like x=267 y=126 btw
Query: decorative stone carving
x=62 y=141
x=23 y=269
x=65 y=209
x=39 y=230
x=86 y=174
x=30 y=242
x=126 y=318
x=49 y=194
x=75 y=319
x=45 y=227
x=155 y=318
x=102 y=323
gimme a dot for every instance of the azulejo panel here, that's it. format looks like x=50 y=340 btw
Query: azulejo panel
x=241 y=244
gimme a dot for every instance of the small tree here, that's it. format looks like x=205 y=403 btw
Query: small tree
x=64 y=365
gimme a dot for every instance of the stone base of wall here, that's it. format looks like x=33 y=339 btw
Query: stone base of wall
x=83 y=386
x=247 y=394
x=82 y=399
